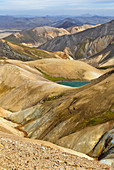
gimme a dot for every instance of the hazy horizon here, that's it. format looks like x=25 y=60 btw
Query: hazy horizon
x=57 y=7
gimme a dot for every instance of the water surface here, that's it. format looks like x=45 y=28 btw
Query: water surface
x=74 y=83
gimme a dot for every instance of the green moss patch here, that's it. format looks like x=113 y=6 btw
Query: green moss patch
x=106 y=67
x=28 y=51
x=53 y=97
x=55 y=79
x=101 y=118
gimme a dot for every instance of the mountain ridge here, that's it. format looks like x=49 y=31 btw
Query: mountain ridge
x=37 y=35
x=77 y=43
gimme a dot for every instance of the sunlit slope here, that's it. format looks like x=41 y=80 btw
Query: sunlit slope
x=21 y=52
x=66 y=69
x=37 y=35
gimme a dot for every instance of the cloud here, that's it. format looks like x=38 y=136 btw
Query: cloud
x=39 y=4
x=68 y=5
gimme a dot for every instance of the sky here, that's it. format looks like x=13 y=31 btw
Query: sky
x=57 y=7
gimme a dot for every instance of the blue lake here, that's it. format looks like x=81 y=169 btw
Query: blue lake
x=74 y=83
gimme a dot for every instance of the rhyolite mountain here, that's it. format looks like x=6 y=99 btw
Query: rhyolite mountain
x=47 y=111
x=80 y=118
x=36 y=74
x=83 y=44
x=79 y=28
x=36 y=36
x=62 y=115
x=66 y=69
x=20 y=52
x=40 y=35
x=103 y=59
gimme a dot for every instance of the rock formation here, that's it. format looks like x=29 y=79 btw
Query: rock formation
x=36 y=36
x=83 y=44
x=103 y=59
x=20 y=52
x=79 y=28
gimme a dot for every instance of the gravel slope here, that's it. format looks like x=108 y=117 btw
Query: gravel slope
x=19 y=153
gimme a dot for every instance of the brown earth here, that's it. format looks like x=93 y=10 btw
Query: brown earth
x=69 y=69
x=20 y=153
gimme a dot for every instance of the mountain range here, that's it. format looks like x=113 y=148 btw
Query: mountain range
x=22 y=23
x=36 y=36
x=37 y=113
x=83 y=44
x=96 y=46
x=40 y=35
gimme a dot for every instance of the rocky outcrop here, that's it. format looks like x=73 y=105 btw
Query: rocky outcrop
x=3 y=112
x=20 y=52
x=7 y=52
x=37 y=36
x=105 y=58
x=79 y=28
x=85 y=43
x=105 y=146
x=79 y=140
x=104 y=149
x=9 y=127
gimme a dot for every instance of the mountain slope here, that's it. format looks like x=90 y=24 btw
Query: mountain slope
x=41 y=155
x=105 y=58
x=60 y=114
x=31 y=87
x=68 y=114
x=68 y=69
x=79 y=28
x=47 y=111
x=28 y=81
x=85 y=43
x=37 y=36
x=66 y=24
x=20 y=52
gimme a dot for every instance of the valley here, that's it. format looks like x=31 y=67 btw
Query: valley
x=48 y=125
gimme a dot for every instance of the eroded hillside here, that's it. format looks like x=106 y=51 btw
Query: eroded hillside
x=47 y=111
x=36 y=36
x=20 y=52
x=85 y=43
x=103 y=59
